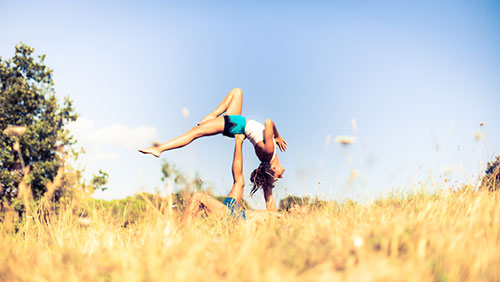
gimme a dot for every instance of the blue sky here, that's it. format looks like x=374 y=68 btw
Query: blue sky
x=417 y=78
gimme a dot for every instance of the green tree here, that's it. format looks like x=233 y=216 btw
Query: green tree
x=170 y=171
x=293 y=201
x=99 y=181
x=491 y=179
x=27 y=100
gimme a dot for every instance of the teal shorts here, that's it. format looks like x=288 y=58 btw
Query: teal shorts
x=234 y=208
x=233 y=125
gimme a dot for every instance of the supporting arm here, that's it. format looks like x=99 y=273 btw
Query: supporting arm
x=237 y=169
x=268 y=197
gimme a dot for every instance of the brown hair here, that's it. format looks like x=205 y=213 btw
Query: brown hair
x=262 y=177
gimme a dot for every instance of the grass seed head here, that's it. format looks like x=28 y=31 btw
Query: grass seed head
x=15 y=130
x=345 y=140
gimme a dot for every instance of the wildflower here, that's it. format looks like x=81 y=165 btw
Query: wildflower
x=447 y=169
x=84 y=221
x=354 y=174
x=345 y=140
x=15 y=130
x=478 y=136
x=16 y=146
x=328 y=139
x=357 y=241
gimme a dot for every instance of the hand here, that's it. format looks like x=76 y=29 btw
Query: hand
x=281 y=143
x=239 y=137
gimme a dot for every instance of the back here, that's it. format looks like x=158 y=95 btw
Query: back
x=254 y=131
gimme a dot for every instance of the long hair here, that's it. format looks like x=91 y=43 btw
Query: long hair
x=262 y=177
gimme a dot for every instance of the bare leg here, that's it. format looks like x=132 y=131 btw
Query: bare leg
x=211 y=127
x=210 y=203
x=231 y=105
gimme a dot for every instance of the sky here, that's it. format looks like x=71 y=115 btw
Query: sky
x=410 y=80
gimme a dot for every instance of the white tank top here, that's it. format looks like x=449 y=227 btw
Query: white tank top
x=254 y=131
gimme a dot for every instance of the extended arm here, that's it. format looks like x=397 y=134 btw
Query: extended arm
x=237 y=169
x=270 y=211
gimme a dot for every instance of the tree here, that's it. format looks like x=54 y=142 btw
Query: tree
x=491 y=180
x=170 y=171
x=292 y=202
x=28 y=104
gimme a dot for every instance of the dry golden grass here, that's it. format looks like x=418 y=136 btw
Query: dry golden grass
x=448 y=237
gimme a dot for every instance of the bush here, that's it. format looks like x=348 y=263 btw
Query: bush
x=491 y=180
x=291 y=202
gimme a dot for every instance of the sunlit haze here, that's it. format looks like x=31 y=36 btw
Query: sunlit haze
x=407 y=83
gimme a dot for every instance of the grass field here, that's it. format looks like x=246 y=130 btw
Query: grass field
x=452 y=236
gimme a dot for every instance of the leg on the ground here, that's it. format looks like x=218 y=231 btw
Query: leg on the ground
x=231 y=105
x=193 y=207
x=208 y=128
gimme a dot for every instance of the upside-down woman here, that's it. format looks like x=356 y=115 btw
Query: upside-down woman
x=264 y=138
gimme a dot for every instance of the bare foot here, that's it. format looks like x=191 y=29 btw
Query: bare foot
x=153 y=150
x=207 y=118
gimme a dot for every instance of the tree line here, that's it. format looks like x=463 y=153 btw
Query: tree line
x=36 y=148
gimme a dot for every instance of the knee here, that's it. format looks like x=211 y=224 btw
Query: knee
x=196 y=132
x=197 y=197
x=236 y=92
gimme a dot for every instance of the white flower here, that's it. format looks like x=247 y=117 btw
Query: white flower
x=447 y=169
x=354 y=174
x=84 y=221
x=15 y=130
x=357 y=241
x=185 y=112
x=478 y=136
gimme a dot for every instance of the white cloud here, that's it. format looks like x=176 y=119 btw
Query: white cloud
x=118 y=136
x=81 y=125
x=122 y=136
x=103 y=156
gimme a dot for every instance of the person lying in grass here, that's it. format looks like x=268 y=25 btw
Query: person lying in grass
x=232 y=203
